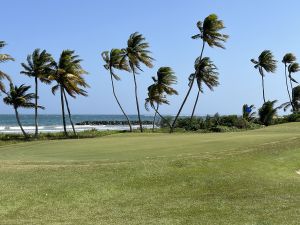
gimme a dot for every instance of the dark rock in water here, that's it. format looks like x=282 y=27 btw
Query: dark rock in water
x=114 y=122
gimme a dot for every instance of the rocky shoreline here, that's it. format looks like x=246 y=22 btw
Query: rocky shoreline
x=114 y=122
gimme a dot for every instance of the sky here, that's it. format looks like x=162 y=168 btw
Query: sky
x=92 y=26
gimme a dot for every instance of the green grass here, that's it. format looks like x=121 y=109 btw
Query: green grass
x=244 y=178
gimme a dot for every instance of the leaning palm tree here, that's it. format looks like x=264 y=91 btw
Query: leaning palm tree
x=137 y=53
x=4 y=58
x=19 y=98
x=39 y=66
x=162 y=83
x=73 y=87
x=287 y=60
x=293 y=68
x=209 y=33
x=113 y=60
x=155 y=98
x=205 y=74
x=295 y=104
x=68 y=76
x=265 y=62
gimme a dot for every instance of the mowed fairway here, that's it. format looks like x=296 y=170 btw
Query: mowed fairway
x=247 y=178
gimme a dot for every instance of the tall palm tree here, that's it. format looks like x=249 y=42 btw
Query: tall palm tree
x=162 y=86
x=265 y=62
x=137 y=53
x=68 y=76
x=19 y=98
x=210 y=34
x=39 y=66
x=205 y=74
x=113 y=60
x=288 y=59
x=4 y=58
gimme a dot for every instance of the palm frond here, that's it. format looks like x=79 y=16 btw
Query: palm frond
x=206 y=73
x=289 y=58
x=209 y=31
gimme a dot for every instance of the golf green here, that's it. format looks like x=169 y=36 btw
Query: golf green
x=218 y=178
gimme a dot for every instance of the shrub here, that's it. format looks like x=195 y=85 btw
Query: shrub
x=295 y=117
x=230 y=120
x=164 y=123
x=188 y=124
x=214 y=123
x=248 y=113
x=267 y=112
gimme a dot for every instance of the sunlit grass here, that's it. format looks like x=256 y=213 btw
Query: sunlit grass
x=228 y=178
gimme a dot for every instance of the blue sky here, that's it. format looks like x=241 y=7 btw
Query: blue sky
x=92 y=26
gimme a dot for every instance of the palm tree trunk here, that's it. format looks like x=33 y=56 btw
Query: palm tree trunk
x=156 y=111
x=287 y=88
x=113 y=89
x=36 y=108
x=187 y=94
x=195 y=104
x=291 y=86
x=19 y=123
x=263 y=87
x=69 y=113
x=63 y=110
x=137 y=102
x=154 y=118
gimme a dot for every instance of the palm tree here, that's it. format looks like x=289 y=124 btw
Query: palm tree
x=205 y=74
x=267 y=112
x=39 y=66
x=162 y=86
x=4 y=58
x=158 y=92
x=293 y=68
x=18 y=98
x=209 y=33
x=265 y=62
x=68 y=76
x=113 y=60
x=295 y=104
x=247 y=112
x=137 y=53
x=288 y=59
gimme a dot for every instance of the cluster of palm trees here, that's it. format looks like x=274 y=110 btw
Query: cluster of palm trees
x=67 y=74
x=130 y=59
x=136 y=53
x=266 y=63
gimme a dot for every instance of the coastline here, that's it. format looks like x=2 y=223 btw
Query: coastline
x=59 y=128
x=52 y=123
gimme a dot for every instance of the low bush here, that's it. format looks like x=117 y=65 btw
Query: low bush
x=295 y=117
x=215 y=123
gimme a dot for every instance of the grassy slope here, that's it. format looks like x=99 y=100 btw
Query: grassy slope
x=230 y=178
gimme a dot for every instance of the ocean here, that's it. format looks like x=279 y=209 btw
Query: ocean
x=53 y=123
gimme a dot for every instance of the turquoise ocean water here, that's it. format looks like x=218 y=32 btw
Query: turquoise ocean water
x=53 y=123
